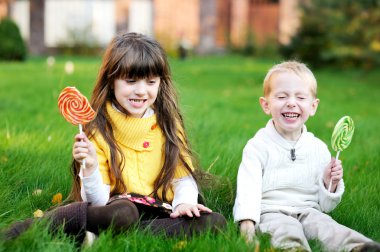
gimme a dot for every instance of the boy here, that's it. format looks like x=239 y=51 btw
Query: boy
x=285 y=170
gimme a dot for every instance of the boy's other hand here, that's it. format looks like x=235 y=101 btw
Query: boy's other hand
x=247 y=230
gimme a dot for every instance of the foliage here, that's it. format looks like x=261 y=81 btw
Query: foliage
x=219 y=100
x=344 y=33
x=267 y=49
x=12 y=46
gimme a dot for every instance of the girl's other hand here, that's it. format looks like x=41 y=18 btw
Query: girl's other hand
x=334 y=172
x=84 y=149
x=189 y=210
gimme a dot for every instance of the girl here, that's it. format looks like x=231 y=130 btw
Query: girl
x=138 y=162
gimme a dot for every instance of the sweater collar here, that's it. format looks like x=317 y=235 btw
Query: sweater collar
x=276 y=137
x=136 y=133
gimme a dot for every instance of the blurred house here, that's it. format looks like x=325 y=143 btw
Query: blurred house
x=206 y=25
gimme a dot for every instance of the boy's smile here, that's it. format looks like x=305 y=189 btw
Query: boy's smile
x=290 y=103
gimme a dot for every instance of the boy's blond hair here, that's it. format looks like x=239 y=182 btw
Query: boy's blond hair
x=295 y=67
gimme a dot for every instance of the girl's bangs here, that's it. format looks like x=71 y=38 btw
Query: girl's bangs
x=140 y=65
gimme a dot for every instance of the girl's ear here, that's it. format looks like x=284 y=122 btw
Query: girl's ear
x=314 y=107
x=264 y=105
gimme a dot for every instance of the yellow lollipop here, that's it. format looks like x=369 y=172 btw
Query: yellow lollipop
x=342 y=136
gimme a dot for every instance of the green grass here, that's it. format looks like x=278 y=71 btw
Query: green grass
x=219 y=99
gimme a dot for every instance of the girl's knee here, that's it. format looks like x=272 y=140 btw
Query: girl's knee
x=124 y=214
x=213 y=221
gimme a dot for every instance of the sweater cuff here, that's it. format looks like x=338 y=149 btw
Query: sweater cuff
x=241 y=214
x=337 y=195
x=93 y=190
x=92 y=180
x=185 y=191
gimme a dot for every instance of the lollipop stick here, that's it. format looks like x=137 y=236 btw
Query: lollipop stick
x=330 y=184
x=84 y=160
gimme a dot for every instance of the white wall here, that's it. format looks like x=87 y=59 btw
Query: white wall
x=20 y=14
x=141 y=17
x=94 y=20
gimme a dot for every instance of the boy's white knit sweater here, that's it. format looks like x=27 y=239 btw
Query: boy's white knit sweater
x=269 y=180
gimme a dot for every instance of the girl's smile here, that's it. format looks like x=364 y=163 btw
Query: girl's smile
x=136 y=95
x=137 y=103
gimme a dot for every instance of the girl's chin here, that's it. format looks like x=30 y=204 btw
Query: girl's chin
x=137 y=113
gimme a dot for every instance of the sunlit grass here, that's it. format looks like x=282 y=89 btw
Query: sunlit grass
x=219 y=100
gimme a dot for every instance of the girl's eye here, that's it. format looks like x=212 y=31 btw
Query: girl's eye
x=301 y=98
x=281 y=97
x=130 y=81
x=153 y=81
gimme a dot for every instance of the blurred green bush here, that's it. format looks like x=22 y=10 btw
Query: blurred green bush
x=344 y=33
x=12 y=46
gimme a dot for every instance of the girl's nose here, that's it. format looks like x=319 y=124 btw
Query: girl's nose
x=140 y=87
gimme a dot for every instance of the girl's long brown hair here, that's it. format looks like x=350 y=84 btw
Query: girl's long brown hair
x=136 y=56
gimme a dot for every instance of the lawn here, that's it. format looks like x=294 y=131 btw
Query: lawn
x=219 y=100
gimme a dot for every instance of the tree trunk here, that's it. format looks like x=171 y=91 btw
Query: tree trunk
x=37 y=27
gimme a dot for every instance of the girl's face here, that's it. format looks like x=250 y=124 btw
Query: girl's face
x=136 y=95
x=290 y=103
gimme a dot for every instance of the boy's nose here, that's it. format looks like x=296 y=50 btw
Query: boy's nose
x=291 y=103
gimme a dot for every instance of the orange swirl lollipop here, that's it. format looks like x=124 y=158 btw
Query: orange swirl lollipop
x=75 y=108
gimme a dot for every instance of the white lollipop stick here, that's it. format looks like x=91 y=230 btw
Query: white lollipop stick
x=84 y=160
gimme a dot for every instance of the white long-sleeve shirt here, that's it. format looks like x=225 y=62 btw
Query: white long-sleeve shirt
x=268 y=179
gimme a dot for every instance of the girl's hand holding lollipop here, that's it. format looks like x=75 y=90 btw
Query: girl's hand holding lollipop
x=341 y=137
x=75 y=108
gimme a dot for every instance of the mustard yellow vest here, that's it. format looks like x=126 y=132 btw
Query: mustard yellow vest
x=143 y=145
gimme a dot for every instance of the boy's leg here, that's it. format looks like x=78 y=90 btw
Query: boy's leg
x=285 y=230
x=333 y=236
x=185 y=225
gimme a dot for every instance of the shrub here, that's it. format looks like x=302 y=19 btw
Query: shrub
x=12 y=46
x=344 y=33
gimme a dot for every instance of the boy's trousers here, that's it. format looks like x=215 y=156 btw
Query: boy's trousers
x=293 y=229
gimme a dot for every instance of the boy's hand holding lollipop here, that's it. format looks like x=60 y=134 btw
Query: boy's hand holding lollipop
x=340 y=140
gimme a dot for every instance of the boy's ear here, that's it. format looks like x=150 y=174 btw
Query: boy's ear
x=264 y=105
x=314 y=107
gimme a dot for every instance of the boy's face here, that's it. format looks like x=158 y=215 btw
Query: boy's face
x=290 y=103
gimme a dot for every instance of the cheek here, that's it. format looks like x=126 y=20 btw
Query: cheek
x=154 y=92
